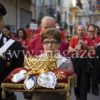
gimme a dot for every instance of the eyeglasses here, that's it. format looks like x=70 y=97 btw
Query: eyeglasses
x=51 y=42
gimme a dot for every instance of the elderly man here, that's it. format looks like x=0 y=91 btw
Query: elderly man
x=36 y=47
x=96 y=40
x=8 y=48
x=79 y=47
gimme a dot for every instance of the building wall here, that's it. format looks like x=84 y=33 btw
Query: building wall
x=65 y=9
x=10 y=6
x=45 y=8
x=24 y=13
x=13 y=11
x=90 y=15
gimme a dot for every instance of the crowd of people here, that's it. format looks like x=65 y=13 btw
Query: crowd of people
x=82 y=48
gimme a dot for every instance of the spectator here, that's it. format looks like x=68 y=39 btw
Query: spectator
x=92 y=34
x=78 y=46
x=6 y=31
x=21 y=37
x=36 y=47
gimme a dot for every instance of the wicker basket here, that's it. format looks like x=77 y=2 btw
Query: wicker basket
x=39 y=65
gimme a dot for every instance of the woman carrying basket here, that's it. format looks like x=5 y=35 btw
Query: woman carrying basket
x=51 y=40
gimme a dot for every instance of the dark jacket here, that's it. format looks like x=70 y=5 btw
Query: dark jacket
x=11 y=58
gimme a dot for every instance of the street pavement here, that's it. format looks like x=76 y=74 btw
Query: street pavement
x=90 y=96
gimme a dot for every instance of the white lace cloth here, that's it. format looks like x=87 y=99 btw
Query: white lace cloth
x=47 y=80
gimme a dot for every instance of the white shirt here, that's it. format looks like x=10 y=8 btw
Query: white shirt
x=4 y=39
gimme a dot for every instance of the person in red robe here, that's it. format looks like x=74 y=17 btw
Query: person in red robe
x=35 y=46
x=93 y=34
x=22 y=38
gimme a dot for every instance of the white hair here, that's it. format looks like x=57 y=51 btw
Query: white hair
x=48 y=18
